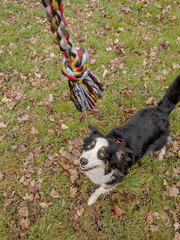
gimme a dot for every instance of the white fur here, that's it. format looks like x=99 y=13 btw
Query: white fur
x=96 y=194
x=97 y=175
x=163 y=150
x=162 y=153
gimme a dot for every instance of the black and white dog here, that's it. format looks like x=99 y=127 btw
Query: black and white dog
x=106 y=159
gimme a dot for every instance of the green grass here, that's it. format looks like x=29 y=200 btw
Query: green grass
x=143 y=29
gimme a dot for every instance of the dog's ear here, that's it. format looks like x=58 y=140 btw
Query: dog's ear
x=122 y=159
x=93 y=129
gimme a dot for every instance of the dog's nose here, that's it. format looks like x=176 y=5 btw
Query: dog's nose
x=83 y=161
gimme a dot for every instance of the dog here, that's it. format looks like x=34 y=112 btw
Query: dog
x=106 y=159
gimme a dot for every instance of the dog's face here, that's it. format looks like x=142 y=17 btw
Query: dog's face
x=100 y=152
x=94 y=153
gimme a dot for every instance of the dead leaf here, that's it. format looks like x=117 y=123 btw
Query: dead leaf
x=50 y=130
x=83 y=116
x=150 y=101
x=43 y=205
x=150 y=218
x=166 y=71
x=3 y=125
x=51 y=118
x=154 y=228
x=24 y=224
x=176 y=172
x=176 y=236
x=64 y=127
x=65 y=165
x=108 y=49
x=73 y=191
x=8 y=202
x=74 y=175
x=23 y=212
x=1 y=176
x=176 y=225
x=105 y=73
x=2 y=137
x=28 y=197
x=54 y=193
x=172 y=191
x=116 y=212
x=49 y=99
x=80 y=212
x=23 y=118
x=179 y=154
x=176 y=66
x=165 y=183
x=33 y=131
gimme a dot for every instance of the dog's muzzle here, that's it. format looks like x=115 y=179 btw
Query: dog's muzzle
x=83 y=162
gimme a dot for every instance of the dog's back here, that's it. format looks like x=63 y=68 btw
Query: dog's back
x=148 y=130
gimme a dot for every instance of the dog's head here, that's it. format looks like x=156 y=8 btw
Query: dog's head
x=101 y=152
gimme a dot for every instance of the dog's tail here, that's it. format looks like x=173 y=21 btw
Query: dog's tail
x=171 y=98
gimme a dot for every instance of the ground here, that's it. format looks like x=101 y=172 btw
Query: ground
x=134 y=49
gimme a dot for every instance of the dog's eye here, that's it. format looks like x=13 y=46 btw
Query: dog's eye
x=101 y=153
x=91 y=145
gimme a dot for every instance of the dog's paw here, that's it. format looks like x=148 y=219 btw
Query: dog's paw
x=92 y=199
x=162 y=153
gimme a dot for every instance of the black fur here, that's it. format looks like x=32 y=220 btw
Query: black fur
x=147 y=131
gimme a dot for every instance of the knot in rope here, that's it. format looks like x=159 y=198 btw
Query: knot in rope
x=84 y=87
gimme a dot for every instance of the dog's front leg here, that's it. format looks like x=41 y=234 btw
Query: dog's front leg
x=96 y=194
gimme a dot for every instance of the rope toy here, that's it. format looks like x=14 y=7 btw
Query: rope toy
x=84 y=87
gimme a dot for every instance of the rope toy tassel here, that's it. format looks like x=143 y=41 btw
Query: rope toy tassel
x=85 y=88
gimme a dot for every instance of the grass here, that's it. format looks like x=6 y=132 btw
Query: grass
x=144 y=30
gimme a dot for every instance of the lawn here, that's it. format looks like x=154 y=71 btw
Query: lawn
x=134 y=49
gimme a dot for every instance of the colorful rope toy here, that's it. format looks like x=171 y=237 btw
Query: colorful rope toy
x=84 y=87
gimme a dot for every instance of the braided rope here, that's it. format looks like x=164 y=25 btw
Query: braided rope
x=84 y=87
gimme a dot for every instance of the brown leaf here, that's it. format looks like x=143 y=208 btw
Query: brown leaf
x=23 y=118
x=28 y=197
x=43 y=205
x=23 y=212
x=24 y=224
x=8 y=202
x=51 y=130
x=154 y=228
x=116 y=212
x=33 y=131
x=105 y=73
x=74 y=175
x=3 y=125
x=1 y=176
x=73 y=191
x=54 y=193
x=2 y=137
x=176 y=236
x=64 y=127
x=83 y=117
x=150 y=218
x=49 y=99
x=172 y=191
x=80 y=212
x=176 y=225
x=65 y=165
x=176 y=66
